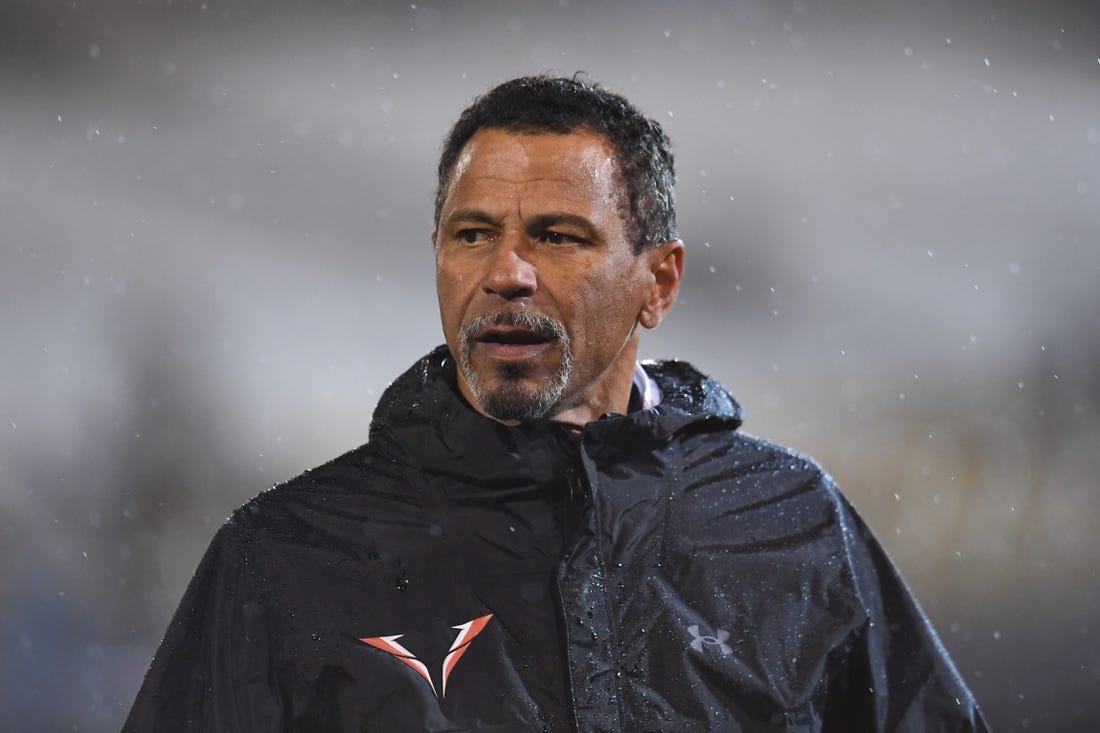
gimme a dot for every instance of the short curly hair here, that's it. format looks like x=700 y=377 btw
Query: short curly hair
x=548 y=104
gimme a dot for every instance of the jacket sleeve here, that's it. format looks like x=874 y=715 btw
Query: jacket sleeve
x=895 y=675
x=214 y=669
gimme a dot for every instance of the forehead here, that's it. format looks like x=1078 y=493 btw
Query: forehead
x=580 y=164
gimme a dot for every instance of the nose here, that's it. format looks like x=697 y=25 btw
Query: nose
x=511 y=273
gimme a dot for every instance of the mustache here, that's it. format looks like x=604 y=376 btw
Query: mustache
x=536 y=323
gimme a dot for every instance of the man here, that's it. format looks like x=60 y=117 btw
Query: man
x=541 y=534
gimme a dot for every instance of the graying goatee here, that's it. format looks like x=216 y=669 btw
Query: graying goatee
x=511 y=399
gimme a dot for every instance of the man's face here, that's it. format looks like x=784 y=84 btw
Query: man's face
x=539 y=288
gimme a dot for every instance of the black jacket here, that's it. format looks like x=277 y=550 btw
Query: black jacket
x=663 y=572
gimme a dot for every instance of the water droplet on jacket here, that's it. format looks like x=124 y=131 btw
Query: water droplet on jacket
x=402 y=583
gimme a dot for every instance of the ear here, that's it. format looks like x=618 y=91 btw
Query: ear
x=666 y=264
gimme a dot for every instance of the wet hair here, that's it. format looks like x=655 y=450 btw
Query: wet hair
x=559 y=105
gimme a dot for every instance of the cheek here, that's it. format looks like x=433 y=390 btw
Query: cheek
x=448 y=282
x=452 y=273
x=605 y=306
x=448 y=289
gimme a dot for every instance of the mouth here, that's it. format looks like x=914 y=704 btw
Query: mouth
x=511 y=336
x=511 y=343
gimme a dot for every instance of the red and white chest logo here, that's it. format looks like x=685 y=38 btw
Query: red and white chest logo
x=466 y=634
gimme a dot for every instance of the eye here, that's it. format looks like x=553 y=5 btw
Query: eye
x=473 y=236
x=552 y=237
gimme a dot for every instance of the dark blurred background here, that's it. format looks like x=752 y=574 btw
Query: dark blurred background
x=214 y=257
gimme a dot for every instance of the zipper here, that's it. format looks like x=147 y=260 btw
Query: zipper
x=571 y=516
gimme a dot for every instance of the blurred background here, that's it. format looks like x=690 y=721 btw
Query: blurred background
x=214 y=256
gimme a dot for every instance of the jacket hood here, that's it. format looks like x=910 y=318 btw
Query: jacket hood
x=688 y=396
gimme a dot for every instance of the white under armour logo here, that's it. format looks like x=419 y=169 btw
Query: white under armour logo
x=718 y=640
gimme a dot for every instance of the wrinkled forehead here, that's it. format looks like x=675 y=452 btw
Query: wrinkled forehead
x=581 y=157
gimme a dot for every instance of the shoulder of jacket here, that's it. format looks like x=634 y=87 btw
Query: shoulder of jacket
x=353 y=477
x=785 y=455
x=773 y=467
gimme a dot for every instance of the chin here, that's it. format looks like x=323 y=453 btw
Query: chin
x=511 y=393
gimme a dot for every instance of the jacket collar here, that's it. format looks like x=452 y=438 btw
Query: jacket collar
x=423 y=420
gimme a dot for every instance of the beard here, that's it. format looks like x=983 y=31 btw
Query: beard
x=509 y=394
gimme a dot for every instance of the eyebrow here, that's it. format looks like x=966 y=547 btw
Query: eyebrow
x=472 y=215
x=538 y=224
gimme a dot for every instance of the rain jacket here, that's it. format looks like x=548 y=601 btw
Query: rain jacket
x=660 y=572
